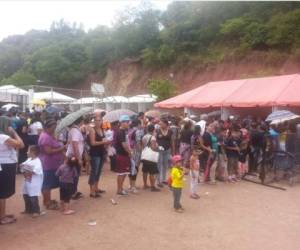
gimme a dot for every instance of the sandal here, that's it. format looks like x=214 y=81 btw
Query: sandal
x=7 y=220
x=100 y=191
x=97 y=195
x=52 y=206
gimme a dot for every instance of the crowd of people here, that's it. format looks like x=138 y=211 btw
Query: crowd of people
x=206 y=150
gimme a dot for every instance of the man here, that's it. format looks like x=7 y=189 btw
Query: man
x=75 y=149
x=124 y=153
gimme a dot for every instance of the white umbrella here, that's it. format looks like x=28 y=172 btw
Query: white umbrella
x=281 y=116
x=114 y=115
x=71 y=118
x=8 y=106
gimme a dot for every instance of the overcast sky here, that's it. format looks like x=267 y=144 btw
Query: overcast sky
x=18 y=17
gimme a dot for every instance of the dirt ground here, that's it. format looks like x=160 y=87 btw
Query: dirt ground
x=241 y=216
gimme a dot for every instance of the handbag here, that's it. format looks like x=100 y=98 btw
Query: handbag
x=148 y=154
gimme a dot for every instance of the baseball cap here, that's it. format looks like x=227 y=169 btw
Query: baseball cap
x=124 y=118
x=176 y=158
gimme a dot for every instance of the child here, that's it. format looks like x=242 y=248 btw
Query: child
x=177 y=175
x=33 y=180
x=194 y=173
x=67 y=174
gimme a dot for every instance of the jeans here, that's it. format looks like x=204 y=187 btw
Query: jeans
x=194 y=175
x=31 y=204
x=96 y=169
x=163 y=164
x=177 y=195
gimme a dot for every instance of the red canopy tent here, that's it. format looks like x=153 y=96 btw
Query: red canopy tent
x=255 y=92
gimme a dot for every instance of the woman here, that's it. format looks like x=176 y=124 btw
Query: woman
x=185 y=143
x=166 y=147
x=9 y=143
x=150 y=167
x=97 y=154
x=35 y=129
x=51 y=156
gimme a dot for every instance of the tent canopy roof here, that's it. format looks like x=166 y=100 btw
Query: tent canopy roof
x=264 y=92
x=52 y=95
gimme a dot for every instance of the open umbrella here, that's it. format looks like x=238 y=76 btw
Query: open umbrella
x=53 y=109
x=114 y=115
x=8 y=106
x=153 y=113
x=71 y=118
x=281 y=116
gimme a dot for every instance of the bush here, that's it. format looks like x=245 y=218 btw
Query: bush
x=162 y=88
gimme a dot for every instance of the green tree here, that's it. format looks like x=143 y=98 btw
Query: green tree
x=20 y=78
x=162 y=88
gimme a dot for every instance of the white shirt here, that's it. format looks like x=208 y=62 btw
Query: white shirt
x=75 y=135
x=202 y=125
x=34 y=128
x=7 y=154
x=34 y=186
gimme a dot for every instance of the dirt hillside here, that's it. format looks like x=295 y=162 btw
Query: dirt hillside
x=130 y=76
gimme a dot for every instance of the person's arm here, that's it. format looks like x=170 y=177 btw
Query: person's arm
x=14 y=141
x=49 y=150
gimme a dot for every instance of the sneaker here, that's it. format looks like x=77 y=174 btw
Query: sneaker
x=123 y=193
x=68 y=212
x=155 y=189
x=179 y=210
x=134 y=190
x=160 y=185
x=212 y=182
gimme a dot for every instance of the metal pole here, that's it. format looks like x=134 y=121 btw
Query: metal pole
x=80 y=98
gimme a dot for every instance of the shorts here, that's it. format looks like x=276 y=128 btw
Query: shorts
x=7 y=180
x=66 y=191
x=150 y=168
x=51 y=181
x=123 y=164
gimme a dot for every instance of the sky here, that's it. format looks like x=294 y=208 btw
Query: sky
x=18 y=17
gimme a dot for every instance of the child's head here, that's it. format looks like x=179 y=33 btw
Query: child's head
x=72 y=162
x=176 y=160
x=33 y=151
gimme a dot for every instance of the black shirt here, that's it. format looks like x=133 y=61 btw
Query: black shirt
x=186 y=135
x=121 y=137
x=231 y=142
x=164 y=140
x=98 y=150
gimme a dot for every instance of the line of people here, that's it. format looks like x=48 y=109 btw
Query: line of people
x=207 y=151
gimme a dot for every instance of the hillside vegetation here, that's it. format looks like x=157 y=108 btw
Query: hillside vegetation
x=187 y=34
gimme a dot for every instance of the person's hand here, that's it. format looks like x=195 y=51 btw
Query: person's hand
x=106 y=142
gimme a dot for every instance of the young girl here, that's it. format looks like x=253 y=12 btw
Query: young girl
x=67 y=174
x=33 y=180
x=194 y=173
x=177 y=175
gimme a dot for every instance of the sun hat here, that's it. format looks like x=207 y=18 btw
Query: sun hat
x=176 y=158
x=124 y=118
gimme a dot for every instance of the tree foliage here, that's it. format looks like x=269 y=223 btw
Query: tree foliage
x=162 y=88
x=66 y=54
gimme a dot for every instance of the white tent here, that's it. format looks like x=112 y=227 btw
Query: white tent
x=11 y=89
x=142 y=98
x=87 y=100
x=11 y=93
x=115 y=99
x=52 y=96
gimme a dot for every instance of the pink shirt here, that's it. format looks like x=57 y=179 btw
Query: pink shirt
x=75 y=135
